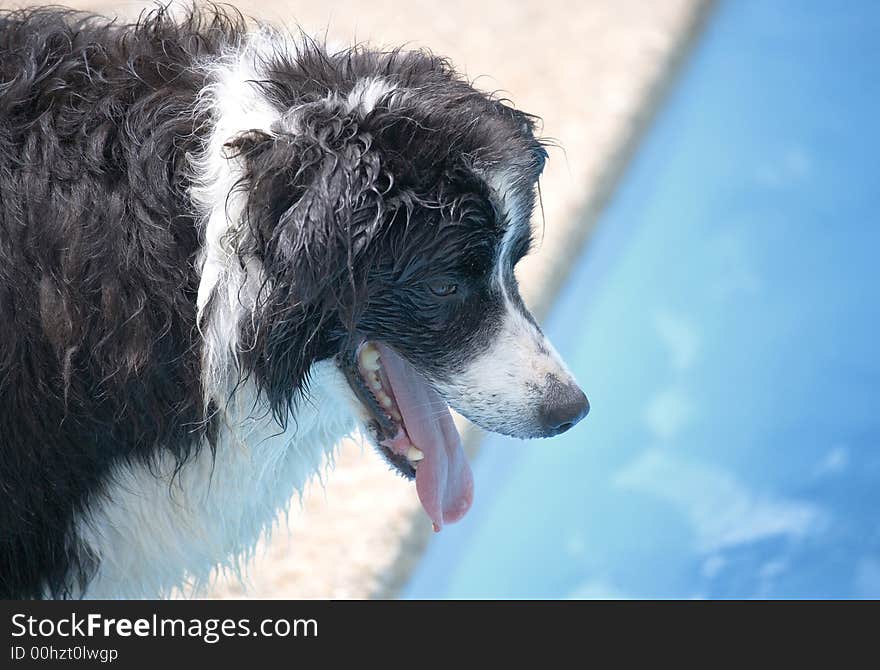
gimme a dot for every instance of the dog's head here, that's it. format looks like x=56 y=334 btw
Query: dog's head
x=389 y=206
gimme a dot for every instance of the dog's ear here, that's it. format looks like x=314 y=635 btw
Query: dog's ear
x=314 y=202
x=314 y=199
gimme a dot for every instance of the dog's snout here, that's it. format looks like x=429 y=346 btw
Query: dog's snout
x=563 y=406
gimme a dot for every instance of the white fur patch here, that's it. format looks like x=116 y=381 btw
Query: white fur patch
x=502 y=389
x=367 y=92
x=235 y=106
x=154 y=533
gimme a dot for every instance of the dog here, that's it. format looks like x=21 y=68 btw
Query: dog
x=223 y=248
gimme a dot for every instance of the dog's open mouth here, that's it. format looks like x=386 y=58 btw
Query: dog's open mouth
x=413 y=429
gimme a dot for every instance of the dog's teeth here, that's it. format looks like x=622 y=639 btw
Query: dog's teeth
x=414 y=454
x=395 y=415
x=376 y=385
x=386 y=401
x=370 y=358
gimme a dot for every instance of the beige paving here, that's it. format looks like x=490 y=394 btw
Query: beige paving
x=593 y=71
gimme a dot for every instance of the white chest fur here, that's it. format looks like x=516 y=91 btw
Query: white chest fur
x=153 y=532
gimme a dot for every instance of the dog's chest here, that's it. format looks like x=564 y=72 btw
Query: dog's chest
x=154 y=532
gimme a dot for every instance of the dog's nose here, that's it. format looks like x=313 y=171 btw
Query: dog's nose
x=564 y=405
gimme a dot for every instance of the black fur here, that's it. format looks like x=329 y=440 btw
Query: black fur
x=355 y=221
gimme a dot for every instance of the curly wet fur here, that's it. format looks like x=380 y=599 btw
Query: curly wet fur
x=100 y=356
x=128 y=323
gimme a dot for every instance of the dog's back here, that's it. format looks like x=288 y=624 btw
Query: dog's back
x=98 y=357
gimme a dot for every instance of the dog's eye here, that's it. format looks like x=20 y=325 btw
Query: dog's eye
x=442 y=289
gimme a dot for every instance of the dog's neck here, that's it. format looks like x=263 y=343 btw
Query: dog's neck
x=213 y=511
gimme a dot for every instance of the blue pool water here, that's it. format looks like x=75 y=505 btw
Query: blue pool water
x=724 y=323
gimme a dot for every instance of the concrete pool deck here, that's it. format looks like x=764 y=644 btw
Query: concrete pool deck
x=594 y=71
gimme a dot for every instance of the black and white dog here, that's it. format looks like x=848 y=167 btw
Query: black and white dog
x=222 y=250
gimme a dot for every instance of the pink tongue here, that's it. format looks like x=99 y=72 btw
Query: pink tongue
x=443 y=478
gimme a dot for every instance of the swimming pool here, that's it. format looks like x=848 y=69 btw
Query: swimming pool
x=724 y=323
